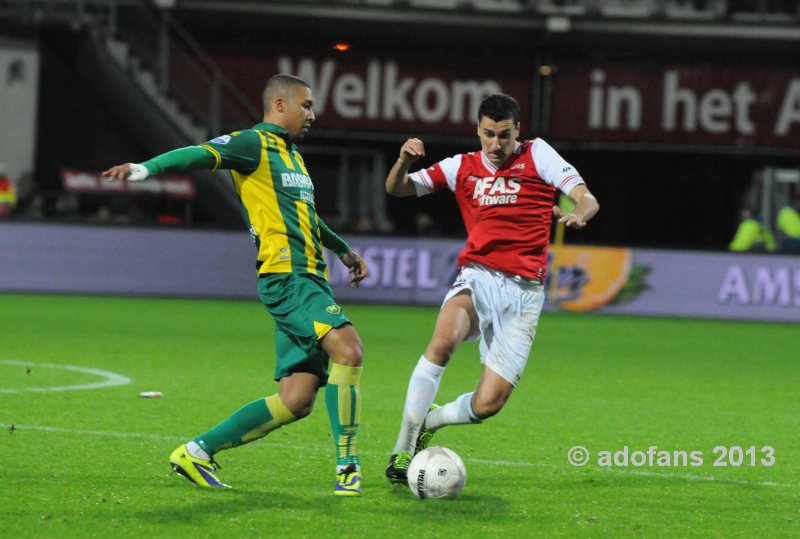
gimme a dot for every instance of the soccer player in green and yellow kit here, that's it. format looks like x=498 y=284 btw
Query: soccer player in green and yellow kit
x=278 y=205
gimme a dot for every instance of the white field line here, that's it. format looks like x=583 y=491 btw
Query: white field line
x=490 y=462
x=105 y=434
x=110 y=379
x=108 y=434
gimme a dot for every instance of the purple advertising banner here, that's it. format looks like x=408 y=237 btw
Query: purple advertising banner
x=733 y=286
x=126 y=261
x=406 y=271
x=203 y=264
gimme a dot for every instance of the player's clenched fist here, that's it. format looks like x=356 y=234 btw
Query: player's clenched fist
x=412 y=150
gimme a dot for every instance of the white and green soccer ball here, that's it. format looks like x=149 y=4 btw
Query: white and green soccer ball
x=436 y=473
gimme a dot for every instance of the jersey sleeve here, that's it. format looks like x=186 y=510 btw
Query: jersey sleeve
x=239 y=151
x=441 y=175
x=332 y=241
x=180 y=160
x=553 y=168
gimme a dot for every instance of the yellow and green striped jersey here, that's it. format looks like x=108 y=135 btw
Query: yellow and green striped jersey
x=276 y=193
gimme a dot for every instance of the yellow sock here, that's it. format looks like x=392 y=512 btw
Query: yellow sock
x=343 y=398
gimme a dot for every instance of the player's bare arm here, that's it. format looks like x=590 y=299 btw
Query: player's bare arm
x=398 y=183
x=586 y=208
x=358 y=267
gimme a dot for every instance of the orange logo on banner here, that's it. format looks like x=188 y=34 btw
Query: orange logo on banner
x=588 y=277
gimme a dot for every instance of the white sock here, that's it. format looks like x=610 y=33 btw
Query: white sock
x=422 y=390
x=196 y=451
x=458 y=412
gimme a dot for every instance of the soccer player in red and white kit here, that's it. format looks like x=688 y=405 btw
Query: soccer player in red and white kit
x=506 y=193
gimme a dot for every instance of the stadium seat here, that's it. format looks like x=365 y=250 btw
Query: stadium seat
x=560 y=7
x=695 y=9
x=628 y=8
x=499 y=6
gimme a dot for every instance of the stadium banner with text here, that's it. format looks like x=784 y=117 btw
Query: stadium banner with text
x=192 y=263
x=374 y=91
x=609 y=280
x=676 y=283
x=653 y=102
x=163 y=185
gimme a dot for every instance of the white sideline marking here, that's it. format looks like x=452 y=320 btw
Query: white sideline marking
x=44 y=428
x=109 y=434
x=517 y=463
x=111 y=378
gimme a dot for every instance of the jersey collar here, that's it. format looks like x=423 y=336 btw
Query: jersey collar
x=278 y=130
x=490 y=166
x=272 y=128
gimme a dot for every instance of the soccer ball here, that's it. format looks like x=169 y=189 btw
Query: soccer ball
x=436 y=472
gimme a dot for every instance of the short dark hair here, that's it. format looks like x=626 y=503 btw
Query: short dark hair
x=499 y=107
x=279 y=85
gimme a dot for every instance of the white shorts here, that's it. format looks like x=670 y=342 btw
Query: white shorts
x=508 y=308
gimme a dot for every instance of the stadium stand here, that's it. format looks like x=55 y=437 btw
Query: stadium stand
x=177 y=64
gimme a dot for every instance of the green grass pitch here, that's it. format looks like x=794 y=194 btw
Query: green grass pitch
x=94 y=462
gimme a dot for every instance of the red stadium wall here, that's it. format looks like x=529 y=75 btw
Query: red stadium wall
x=676 y=104
x=396 y=92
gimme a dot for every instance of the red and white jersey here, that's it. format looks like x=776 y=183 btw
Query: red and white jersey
x=507 y=211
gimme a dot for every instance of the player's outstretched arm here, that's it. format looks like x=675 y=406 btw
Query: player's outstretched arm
x=180 y=160
x=586 y=208
x=398 y=183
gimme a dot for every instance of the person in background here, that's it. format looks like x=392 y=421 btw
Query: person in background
x=8 y=194
x=788 y=222
x=752 y=235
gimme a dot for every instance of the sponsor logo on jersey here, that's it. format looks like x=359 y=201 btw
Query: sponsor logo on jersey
x=493 y=191
x=459 y=282
x=566 y=169
x=518 y=166
x=224 y=139
x=333 y=309
x=296 y=179
x=472 y=178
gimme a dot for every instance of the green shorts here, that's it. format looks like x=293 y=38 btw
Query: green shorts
x=304 y=311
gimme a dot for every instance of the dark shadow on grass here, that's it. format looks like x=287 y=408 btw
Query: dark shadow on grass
x=195 y=505
x=198 y=506
x=470 y=505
